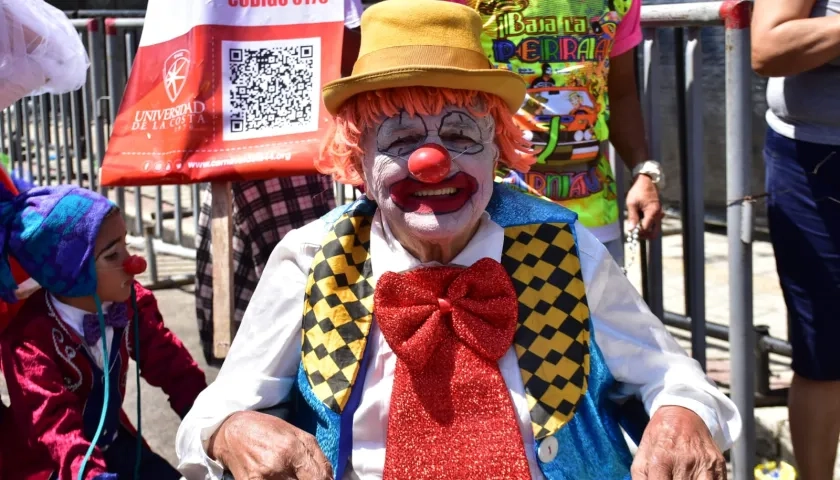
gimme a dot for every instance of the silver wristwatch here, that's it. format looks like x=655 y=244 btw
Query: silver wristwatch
x=652 y=169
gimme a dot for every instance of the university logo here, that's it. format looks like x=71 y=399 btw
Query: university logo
x=175 y=70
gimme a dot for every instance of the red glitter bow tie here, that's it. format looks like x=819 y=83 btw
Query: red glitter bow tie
x=451 y=414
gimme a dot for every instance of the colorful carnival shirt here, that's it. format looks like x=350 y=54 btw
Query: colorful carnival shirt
x=563 y=48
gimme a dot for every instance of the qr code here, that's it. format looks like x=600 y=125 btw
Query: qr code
x=270 y=87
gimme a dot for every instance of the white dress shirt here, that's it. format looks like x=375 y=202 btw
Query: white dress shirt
x=262 y=364
x=74 y=318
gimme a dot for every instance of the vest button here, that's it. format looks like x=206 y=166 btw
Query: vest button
x=548 y=450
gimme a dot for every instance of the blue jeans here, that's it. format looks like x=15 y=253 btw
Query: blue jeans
x=803 y=210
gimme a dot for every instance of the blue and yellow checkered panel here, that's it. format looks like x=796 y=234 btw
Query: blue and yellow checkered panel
x=552 y=339
x=338 y=311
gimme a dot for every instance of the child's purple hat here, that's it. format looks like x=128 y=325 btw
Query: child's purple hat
x=51 y=232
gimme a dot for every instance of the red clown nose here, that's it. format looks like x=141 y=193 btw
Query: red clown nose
x=134 y=265
x=430 y=163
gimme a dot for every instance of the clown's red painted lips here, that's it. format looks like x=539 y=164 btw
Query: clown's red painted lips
x=440 y=198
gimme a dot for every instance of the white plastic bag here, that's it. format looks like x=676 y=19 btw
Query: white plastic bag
x=40 y=51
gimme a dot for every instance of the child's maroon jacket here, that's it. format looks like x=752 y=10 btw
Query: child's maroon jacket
x=56 y=395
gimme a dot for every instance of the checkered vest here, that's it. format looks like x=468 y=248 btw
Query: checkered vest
x=553 y=339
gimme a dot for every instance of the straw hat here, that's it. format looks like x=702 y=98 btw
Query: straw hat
x=423 y=43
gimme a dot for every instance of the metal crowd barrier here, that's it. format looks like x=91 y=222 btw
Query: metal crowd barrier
x=62 y=138
x=748 y=350
x=53 y=139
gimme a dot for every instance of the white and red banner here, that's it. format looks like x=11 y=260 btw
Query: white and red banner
x=226 y=90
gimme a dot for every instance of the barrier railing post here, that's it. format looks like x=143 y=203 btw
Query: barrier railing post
x=97 y=95
x=151 y=255
x=55 y=136
x=39 y=120
x=196 y=207
x=138 y=193
x=650 y=107
x=693 y=202
x=116 y=85
x=736 y=17
x=42 y=130
x=27 y=135
x=15 y=120
x=762 y=361
x=179 y=217
x=340 y=195
x=16 y=138
x=76 y=117
x=65 y=136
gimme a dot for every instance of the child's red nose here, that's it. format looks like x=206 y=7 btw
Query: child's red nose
x=134 y=265
x=430 y=163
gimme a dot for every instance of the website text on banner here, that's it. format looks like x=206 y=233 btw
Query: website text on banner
x=226 y=90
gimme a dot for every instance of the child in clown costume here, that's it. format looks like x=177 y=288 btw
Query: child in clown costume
x=443 y=326
x=90 y=316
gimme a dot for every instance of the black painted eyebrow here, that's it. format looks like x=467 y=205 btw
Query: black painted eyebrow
x=107 y=247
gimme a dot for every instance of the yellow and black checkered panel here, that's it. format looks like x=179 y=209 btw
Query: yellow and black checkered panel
x=552 y=338
x=338 y=310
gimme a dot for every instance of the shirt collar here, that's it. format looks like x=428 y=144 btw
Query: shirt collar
x=388 y=255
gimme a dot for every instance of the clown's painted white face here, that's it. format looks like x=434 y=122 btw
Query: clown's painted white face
x=431 y=175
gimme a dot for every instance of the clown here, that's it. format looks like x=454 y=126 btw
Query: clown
x=444 y=326
x=89 y=317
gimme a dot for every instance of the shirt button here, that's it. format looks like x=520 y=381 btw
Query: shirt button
x=548 y=450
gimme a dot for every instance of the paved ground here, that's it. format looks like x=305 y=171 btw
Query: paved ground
x=772 y=429
x=160 y=423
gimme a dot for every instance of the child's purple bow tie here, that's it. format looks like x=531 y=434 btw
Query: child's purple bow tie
x=115 y=317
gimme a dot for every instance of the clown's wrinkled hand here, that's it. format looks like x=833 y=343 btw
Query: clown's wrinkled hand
x=644 y=207
x=257 y=445
x=677 y=445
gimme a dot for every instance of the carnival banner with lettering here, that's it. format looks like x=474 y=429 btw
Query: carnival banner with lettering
x=225 y=90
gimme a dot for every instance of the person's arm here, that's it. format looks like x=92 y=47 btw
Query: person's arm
x=261 y=367
x=786 y=42
x=46 y=410
x=163 y=359
x=641 y=354
x=627 y=134
x=627 y=125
